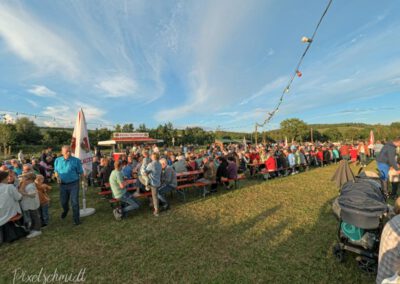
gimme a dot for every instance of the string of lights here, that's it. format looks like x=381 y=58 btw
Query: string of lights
x=60 y=120
x=296 y=72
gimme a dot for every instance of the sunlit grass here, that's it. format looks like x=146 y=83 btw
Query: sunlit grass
x=279 y=231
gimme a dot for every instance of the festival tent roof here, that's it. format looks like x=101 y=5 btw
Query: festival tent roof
x=135 y=139
x=107 y=143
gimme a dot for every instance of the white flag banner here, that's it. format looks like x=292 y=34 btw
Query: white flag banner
x=371 y=138
x=80 y=145
x=80 y=148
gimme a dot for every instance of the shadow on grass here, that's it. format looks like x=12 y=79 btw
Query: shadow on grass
x=258 y=235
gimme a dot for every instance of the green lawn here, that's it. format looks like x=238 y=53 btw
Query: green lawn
x=279 y=231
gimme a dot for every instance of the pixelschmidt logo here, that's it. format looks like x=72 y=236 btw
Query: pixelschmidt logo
x=22 y=276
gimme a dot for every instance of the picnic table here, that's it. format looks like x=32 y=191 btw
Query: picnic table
x=187 y=180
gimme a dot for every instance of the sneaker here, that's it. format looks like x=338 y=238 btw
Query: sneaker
x=33 y=234
x=117 y=214
x=155 y=213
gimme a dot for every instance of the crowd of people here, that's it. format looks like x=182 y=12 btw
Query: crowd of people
x=155 y=170
x=24 y=183
x=24 y=198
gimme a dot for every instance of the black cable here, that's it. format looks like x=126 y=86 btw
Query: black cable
x=287 y=88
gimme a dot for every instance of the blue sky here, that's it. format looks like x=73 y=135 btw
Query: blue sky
x=207 y=63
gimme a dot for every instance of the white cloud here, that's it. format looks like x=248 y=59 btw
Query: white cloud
x=32 y=103
x=207 y=83
x=33 y=41
x=118 y=86
x=270 y=52
x=275 y=86
x=41 y=91
x=65 y=115
x=232 y=113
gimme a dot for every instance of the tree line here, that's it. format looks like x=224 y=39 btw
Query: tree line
x=25 y=134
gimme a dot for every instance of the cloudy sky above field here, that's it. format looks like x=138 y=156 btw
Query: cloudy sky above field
x=208 y=63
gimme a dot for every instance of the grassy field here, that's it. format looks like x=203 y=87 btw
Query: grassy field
x=278 y=231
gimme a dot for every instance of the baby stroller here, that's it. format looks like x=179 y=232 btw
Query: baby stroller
x=362 y=211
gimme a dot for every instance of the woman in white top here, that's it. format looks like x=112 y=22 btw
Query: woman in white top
x=9 y=208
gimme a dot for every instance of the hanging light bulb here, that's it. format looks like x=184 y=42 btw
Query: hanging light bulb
x=306 y=39
x=299 y=74
x=287 y=90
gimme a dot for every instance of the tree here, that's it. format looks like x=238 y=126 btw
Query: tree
x=118 y=128
x=99 y=135
x=56 y=138
x=142 y=128
x=27 y=132
x=394 y=130
x=7 y=135
x=127 y=127
x=351 y=133
x=381 y=132
x=333 y=134
x=294 y=128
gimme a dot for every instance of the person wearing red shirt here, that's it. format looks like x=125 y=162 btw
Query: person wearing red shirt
x=353 y=154
x=345 y=152
x=320 y=156
x=270 y=163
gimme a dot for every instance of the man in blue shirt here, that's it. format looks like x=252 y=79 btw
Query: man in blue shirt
x=68 y=170
x=386 y=160
x=126 y=170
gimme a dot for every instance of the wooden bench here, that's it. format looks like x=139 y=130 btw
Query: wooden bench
x=235 y=180
x=187 y=180
x=109 y=192
x=181 y=188
x=141 y=195
x=108 y=187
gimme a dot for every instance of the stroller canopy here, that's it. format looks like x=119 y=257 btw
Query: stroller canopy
x=362 y=203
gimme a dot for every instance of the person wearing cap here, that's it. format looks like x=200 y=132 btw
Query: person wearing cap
x=68 y=170
x=387 y=159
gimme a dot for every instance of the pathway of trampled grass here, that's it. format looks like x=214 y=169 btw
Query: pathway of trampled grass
x=279 y=231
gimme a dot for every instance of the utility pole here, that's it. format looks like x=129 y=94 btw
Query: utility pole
x=312 y=136
x=256 y=134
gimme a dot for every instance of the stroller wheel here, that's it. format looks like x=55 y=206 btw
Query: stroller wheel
x=367 y=265
x=339 y=253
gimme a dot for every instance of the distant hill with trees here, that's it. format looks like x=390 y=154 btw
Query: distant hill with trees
x=26 y=135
